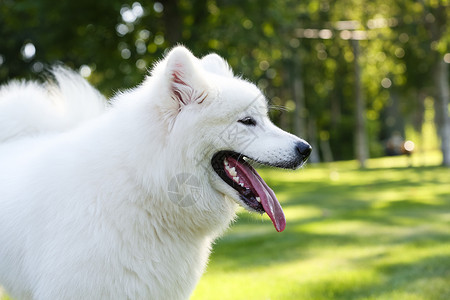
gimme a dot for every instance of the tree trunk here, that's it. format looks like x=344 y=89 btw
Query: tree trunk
x=442 y=112
x=173 y=22
x=299 y=98
x=326 y=150
x=361 y=150
x=300 y=129
x=312 y=140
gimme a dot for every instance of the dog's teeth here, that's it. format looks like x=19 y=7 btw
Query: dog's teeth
x=225 y=162
x=241 y=184
x=258 y=199
x=232 y=171
x=236 y=179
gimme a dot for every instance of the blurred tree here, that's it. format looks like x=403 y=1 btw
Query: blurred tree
x=420 y=40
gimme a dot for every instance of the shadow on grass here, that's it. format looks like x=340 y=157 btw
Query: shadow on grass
x=267 y=249
x=427 y=277
x=236 y=252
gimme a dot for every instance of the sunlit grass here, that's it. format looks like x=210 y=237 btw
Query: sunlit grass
x=380 y=233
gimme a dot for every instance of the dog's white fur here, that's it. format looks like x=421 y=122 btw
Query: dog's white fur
x=85 y=211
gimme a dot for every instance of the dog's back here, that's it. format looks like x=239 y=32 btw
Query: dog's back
x=32 y=109
x=29 y=112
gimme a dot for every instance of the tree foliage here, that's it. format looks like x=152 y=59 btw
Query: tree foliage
x=298 y=52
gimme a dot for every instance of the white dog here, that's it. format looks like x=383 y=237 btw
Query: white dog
x=123 y=200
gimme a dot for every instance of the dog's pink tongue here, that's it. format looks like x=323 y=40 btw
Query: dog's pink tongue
x=268 y=199
x=270 y=202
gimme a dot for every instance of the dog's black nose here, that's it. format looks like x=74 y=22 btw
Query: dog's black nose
x=304 y=150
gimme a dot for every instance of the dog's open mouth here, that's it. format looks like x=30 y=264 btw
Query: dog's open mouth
x=253 y=191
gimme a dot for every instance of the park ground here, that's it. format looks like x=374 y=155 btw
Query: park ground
x=378 y=233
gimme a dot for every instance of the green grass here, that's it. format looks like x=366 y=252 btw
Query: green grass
x=380 y=233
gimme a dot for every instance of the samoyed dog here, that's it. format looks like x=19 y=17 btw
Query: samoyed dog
x=122 y=199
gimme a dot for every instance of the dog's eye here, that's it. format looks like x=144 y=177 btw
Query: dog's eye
x=248 y=121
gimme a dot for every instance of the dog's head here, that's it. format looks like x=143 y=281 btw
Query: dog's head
x=221 y=125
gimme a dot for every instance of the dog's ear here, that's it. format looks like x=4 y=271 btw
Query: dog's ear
x=215 y=64
x=186 y=81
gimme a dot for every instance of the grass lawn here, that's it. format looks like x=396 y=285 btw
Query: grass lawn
x=380 y=233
